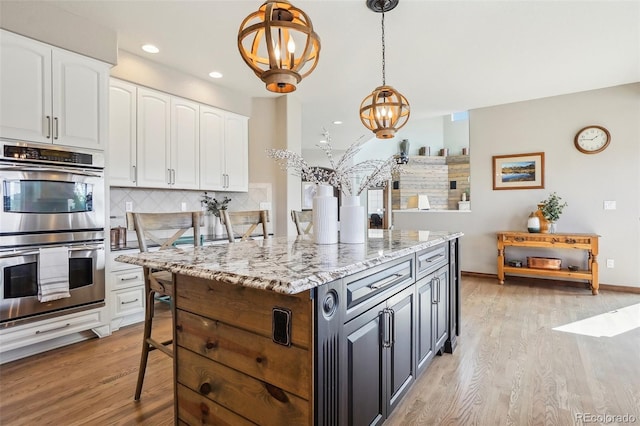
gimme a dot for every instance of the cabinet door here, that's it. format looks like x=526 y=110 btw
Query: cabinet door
x=402 y=351
x=185 y=143
x=424 y=322
x=153 y=139
x=236 y=153
x=441 y=307
x=25 y=89
x=365 y=382
x=80 y=87
x=211 y=148
x=122 y=133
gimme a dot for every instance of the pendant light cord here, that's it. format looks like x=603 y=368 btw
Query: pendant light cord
x=383 y=59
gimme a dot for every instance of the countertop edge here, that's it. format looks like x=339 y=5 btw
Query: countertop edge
x=291 y=287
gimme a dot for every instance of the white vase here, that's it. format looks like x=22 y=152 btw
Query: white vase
x=533 y=223
x=352 y=220
x=218 y=229
x=325 y=216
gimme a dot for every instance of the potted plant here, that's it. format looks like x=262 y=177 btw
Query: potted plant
x=214 y=206
x=551 y=209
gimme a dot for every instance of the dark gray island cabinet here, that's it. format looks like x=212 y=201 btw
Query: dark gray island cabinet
x=284 y=331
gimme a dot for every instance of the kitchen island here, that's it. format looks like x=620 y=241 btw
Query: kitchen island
x=286 y=331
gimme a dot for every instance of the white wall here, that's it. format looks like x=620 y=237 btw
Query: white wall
x=584 y=181
x=139 y=70
x=57 y=27
x=456 y=135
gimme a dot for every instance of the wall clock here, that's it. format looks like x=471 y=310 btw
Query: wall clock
x=592 y=139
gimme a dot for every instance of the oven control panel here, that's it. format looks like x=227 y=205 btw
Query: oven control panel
x=23 y=152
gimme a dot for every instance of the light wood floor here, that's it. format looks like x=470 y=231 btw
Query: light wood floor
x=510 y=368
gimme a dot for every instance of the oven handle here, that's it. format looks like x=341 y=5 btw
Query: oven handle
x=86 y=248
x=93 y=247
x=50 y=169
x=7 y=255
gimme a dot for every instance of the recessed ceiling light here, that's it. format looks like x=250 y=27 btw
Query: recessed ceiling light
x=150 y=48
x=215 y=74
x=337 y=122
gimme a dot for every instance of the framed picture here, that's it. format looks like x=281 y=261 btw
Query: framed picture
x=518 y=171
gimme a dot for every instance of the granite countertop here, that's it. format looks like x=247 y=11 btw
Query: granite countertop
x=288 y=264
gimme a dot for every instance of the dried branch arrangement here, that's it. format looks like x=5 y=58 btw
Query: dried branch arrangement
x=342 y=174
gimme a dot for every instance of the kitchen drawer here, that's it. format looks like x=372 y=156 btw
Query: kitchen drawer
x=550 y=240
x=377 y=283
x=28 y=334
x=127 y=302
x=430 y=259
x=127 y=278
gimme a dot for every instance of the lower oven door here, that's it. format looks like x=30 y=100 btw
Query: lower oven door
x=20 y=277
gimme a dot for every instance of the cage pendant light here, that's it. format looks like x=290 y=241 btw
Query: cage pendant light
x=385 y=110
x=279 y=45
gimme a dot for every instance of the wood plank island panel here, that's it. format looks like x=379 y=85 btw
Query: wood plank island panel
x=226 y=354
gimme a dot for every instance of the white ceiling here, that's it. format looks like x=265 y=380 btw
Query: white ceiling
x=444 y=56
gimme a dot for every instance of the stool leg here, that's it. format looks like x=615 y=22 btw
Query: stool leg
x=148 y=320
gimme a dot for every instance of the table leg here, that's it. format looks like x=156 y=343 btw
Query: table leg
x=595 y=284
x=501 y=264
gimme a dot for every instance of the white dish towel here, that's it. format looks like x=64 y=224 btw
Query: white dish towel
x=54 y=274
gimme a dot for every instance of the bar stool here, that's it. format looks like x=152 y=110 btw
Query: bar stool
x=250 y=219
x=300 y=218
x=156 y=227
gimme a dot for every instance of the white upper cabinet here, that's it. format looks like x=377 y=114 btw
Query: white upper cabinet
x=236 y=147
x=163 y=141
x=122 y=133
x=224 y=158
x=50 y=95
x=211 y=148
x=185 y=143
x=153 y=139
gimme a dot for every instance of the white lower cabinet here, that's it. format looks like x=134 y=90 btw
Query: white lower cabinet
x=126 y=291
x=39 y=336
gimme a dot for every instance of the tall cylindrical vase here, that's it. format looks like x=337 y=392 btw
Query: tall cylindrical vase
x=325 y=216
x=352 y=220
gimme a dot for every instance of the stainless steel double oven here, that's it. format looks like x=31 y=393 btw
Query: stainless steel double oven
x=53 y=201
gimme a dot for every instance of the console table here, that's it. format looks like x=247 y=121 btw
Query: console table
x=588 y=242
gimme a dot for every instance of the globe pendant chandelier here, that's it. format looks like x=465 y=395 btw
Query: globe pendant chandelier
x=385 y=110
x=279 y=45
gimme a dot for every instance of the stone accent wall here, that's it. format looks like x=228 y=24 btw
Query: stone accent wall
x=432 y=176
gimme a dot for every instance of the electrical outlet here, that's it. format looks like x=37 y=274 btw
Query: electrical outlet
x=183 y=206
x=609 y=205
x=610 y=263
x=128 y=206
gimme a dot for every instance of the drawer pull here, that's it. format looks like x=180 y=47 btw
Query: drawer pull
x=433 y=259
x=54 y=329
x=130 y=278
x=130 y=301
x=570 y=241
x=383 y=283
x=519 y=239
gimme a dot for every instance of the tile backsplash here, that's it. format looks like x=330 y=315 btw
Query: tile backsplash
x=170 y=200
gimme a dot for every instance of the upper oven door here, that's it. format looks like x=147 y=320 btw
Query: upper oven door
x=40 y=198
